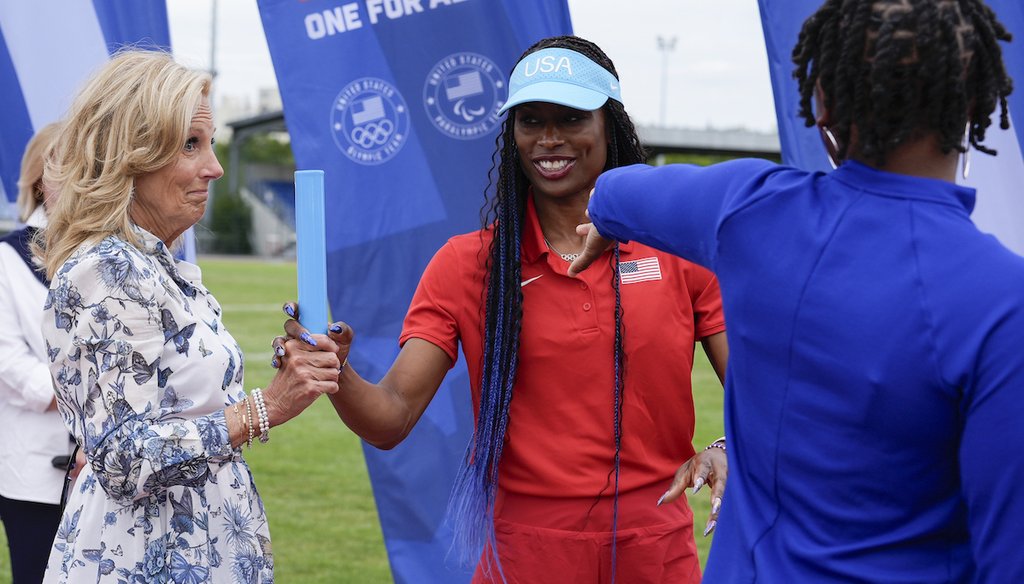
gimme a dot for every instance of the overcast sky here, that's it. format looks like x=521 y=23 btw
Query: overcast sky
x=717 y=72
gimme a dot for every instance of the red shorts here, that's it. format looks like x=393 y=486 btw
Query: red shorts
x=653 y=544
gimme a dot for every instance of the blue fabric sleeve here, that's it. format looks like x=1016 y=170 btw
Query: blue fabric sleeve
x=676 y=208
x=991 y=465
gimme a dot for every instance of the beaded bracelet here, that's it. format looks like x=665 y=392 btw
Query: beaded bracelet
x=720 y=443
x=261 y=411
x=248 y=421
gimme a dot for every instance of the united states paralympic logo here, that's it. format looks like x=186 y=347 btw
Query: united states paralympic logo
x=463 y=94
x=370 y=121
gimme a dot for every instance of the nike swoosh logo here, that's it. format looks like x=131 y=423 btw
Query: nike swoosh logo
x=525 y=282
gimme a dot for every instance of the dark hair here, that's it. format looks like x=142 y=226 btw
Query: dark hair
x=471 y=509
x=900 y=68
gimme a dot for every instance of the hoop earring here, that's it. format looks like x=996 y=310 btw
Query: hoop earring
x=965 y=169
x=825 y=131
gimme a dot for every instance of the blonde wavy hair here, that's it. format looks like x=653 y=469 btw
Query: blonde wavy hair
x=30 y=181
x=132 y=117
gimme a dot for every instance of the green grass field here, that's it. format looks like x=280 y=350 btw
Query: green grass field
x=311 y=475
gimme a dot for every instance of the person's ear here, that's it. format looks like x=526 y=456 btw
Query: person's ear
x=822 y=112
x=823 y=119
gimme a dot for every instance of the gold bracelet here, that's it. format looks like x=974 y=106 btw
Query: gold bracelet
x=238 y=416
x=248 y=421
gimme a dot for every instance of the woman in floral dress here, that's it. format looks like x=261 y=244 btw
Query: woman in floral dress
x=148 y=379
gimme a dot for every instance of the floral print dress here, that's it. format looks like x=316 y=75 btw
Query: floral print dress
x=143 y=368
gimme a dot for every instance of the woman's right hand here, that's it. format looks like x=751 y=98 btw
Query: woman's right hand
x=593 y=246
x=312 y=369
x=381 y=413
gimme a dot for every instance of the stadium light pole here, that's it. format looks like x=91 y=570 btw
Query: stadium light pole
x=213 y=76
x=666 y=46
x=213 y=47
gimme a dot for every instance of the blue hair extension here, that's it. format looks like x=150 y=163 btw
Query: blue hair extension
x=471 y=507
x=617 y=403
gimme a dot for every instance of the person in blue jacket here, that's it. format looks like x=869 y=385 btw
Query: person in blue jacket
x=875 y=387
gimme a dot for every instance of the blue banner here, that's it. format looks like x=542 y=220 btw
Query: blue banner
x=1000 y=206
x=397 y=101
x=47 y=49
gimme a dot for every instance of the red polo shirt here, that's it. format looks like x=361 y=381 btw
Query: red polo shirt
x=560 y=441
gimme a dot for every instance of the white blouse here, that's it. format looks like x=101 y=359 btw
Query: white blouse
x=143 y=368
x=30 y=436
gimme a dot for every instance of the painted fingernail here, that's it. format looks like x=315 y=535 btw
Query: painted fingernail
x=289 y=310
x=280 y=351
x=273 y=363
x=308 y=339
x=662 y=499
x=697 y=484
x=716 y=505
x=710 y=527
x=335 y=328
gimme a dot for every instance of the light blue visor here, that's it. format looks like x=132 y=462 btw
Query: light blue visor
x=564 y=77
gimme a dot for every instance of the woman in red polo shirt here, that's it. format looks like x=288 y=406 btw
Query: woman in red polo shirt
x=569 y=478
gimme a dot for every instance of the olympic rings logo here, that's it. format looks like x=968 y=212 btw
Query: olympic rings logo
x=372 y=134
x=377 y=128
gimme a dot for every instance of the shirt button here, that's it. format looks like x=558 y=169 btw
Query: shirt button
x=586 y=306
x=583 y=285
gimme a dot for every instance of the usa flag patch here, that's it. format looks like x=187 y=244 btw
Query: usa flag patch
x=642 y=270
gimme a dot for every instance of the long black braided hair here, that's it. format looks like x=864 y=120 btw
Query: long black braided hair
x=471 y=509
x=898 y=69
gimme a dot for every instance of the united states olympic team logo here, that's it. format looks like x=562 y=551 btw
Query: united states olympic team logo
x=463 y=94
x=370 y=121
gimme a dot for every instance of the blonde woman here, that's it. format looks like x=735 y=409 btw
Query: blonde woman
x=34 y=444
x=148 y=379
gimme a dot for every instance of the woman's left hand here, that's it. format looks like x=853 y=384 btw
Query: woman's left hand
x=708 y=467
x=79 y=464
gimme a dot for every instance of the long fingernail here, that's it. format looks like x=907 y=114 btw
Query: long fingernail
x=273 y=363
x=662 y=499
x=716 y=505
x=289 y=310
x=279 y=351
x=308 y=339
x=697 y=484
x=335 y=328
x=710 y=527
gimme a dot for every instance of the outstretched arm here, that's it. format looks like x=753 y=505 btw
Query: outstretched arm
x=676 y=208
x=382 y=413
